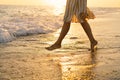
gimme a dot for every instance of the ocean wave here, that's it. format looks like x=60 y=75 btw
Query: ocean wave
x=5 y=36
x=23 y=20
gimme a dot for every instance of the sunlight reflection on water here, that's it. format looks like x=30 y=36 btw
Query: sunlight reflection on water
x=59 y=6
x=78 y=67
x=58 y=10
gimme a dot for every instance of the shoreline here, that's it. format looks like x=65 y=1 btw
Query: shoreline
x=26 y=57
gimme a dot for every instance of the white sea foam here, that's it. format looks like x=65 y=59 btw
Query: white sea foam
x=26 y=20
x=5 y=36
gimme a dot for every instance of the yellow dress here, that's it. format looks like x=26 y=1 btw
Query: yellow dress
x=75 y=9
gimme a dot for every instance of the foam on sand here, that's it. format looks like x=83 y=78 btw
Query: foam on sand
x=5 y=36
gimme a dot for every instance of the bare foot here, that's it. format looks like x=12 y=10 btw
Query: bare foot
x=94 y=46
x=53 y=47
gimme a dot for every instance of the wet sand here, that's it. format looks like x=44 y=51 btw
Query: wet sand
x=27 y=59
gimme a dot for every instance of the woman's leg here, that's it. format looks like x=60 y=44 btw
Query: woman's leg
x=64 y=31
x=88 y=31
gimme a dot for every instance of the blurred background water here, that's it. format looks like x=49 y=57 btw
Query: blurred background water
x=26 y=20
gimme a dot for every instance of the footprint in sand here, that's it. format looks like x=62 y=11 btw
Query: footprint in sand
x=73 y=37
x=80 y=42
x=117 y=35
x=4 y=79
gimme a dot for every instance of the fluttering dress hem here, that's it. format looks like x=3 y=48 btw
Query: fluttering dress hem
x=76 y=9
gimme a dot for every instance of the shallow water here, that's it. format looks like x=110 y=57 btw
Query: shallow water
x=26 y=58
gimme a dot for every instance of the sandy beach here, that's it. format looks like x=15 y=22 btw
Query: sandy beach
x=27 y=59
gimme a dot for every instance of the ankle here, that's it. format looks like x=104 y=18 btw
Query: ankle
x=57 y=44
x=94 y=41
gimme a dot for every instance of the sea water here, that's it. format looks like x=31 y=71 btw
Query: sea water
x=26 y=20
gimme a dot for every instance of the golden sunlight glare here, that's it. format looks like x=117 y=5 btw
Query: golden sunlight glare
x=56 y=3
